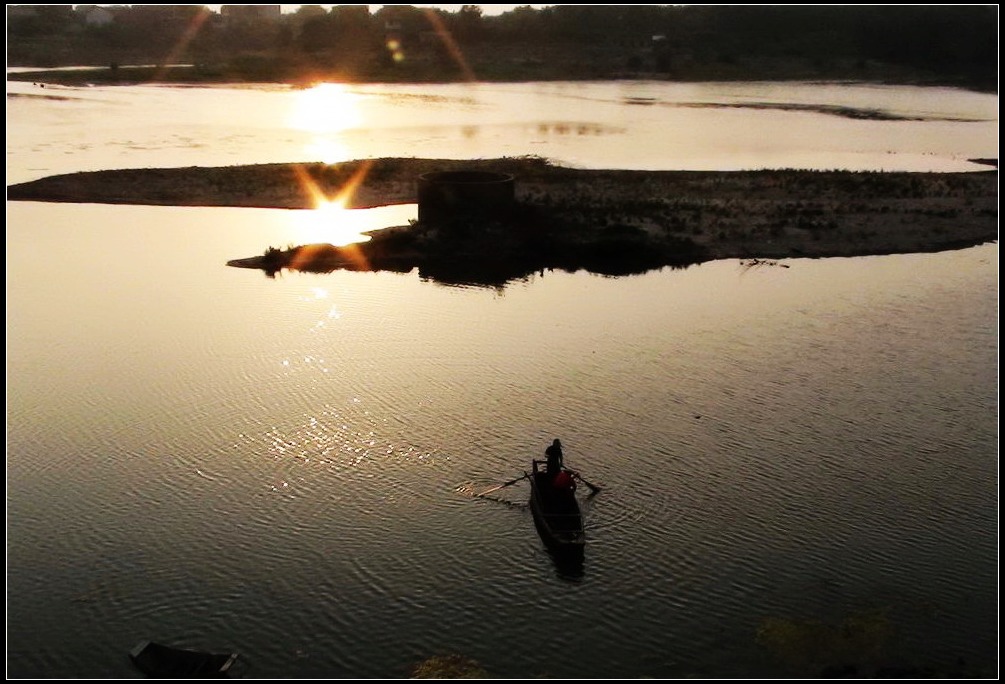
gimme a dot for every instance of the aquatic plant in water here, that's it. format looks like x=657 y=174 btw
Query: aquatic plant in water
x=813 y=647
x=451 y=666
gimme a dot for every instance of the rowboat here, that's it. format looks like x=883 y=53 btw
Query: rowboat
x=168 y=662
x=556 y=510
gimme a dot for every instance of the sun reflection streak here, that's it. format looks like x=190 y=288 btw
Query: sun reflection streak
x=326 y=108
x=330 y=223
x=327 y=150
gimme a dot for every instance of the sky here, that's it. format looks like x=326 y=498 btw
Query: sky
x=487 y=10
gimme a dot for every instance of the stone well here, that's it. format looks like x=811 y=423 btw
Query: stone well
x=447 y=195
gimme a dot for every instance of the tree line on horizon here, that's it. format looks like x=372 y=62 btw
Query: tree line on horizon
x=950 y=44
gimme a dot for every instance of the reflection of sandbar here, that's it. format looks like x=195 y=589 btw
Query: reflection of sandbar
x=610 y=221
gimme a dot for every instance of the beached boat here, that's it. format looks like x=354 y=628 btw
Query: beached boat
x=167 y=662
x=556 y=510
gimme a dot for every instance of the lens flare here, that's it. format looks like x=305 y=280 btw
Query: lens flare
x=453 y=49
x=396 y=50
x=190 y=32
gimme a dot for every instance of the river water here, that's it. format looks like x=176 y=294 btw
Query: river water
x=798 y=461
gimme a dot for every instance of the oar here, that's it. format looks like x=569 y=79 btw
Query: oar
x=504 y=484
x=593 y=488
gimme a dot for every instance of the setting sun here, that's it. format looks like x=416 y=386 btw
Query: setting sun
x=332 y=223
x=326 y=108
x=327 y=150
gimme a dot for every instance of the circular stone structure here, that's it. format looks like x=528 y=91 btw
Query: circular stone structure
x=449 y=195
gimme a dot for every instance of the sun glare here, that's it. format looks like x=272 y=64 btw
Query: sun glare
x=326 y=108
x=327 y=150
x=331 y=223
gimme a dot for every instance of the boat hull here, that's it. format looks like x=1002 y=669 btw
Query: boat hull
x=557 y=516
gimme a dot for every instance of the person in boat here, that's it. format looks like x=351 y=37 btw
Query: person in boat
x=564 y=482
x=554 y=454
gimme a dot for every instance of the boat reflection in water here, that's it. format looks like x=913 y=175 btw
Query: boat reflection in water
x=568 y=568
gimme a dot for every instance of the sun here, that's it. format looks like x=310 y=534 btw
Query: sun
x=330 y=222
x=327 y=150
x=326 y=108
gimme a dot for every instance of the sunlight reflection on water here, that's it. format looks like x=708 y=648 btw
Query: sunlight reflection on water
x=594 y=125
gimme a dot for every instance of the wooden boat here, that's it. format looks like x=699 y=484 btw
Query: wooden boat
x=162 y=661
x=556 y=512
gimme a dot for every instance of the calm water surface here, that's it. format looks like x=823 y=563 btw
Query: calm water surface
x=285 y=468
x=638 y=125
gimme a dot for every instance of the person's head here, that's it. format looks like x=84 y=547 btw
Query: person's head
x=557 y=443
